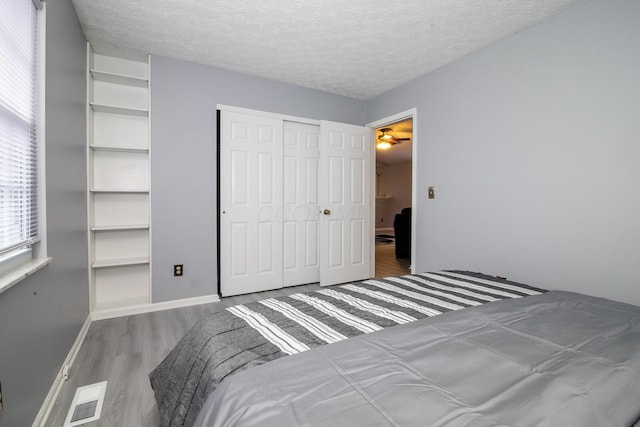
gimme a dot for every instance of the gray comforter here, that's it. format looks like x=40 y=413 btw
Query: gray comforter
x=245 y=336
x=555 y=359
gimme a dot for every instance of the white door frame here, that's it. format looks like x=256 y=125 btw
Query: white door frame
x=413 y=114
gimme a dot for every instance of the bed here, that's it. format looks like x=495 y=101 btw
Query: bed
x=445 y=348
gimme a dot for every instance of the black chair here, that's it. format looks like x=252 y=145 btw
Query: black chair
x=402 y=230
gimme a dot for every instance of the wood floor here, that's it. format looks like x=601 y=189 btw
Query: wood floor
x=124 y=350
x=387 y=264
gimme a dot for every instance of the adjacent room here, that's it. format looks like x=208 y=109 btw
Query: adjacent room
x=394 y=198
x=319 y=213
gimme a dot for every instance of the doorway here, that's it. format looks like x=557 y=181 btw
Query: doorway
x=394 y=154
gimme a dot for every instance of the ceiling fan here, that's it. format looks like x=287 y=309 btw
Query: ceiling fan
x=386 y=140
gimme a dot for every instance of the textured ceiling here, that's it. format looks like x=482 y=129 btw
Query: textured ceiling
x=356 y=48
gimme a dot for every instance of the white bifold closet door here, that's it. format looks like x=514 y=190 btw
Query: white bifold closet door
x=295 y=207
x=251 y=203
x=345 y=198
x=301 y=204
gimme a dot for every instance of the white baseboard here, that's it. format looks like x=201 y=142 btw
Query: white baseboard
x=49 y=401
x=149 y=308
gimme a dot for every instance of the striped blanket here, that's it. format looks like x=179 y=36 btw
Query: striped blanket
x=247 y=335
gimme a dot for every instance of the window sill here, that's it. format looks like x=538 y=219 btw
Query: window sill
x=16 y=275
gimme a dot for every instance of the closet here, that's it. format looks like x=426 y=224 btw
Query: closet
x=295 y=201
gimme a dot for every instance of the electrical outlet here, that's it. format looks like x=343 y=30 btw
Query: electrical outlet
x=178 y=269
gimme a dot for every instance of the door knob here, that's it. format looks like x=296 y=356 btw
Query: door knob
x=326 y=212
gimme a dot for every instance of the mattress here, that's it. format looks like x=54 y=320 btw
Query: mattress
x=246 y=336
x=554 y=359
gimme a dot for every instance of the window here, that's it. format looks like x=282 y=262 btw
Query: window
x=18 y=134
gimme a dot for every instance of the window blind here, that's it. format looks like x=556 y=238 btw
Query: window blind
x=18 y=113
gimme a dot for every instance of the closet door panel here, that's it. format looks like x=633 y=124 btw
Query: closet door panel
x=300 y=211
x=239 y=182
x=311 y=192
x=239 y=250
x=251 y=196
x=312 y=229
x=345 y=200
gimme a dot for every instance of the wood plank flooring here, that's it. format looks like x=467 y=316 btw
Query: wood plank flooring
x=124 y=350
x=387 y=264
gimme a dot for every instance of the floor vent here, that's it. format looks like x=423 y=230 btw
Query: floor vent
x=86 y=405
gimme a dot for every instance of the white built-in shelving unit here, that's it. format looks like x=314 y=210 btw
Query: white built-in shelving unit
x=119 y=182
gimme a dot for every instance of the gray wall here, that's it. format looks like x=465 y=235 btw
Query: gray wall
x=532 y=144
x=40 y=317
x=183 y=158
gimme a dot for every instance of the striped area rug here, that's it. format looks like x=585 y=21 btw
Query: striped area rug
x=305 y=320
x=384 y=239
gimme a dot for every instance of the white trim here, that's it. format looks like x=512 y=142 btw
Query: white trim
x=149 y=308
x=40 y=250
x=50 y=400
x=15 y=275
x=284 y=117
x=373 y=170
x=398 y=117
x=413 y=113
x=88 y=154
x=150 y=194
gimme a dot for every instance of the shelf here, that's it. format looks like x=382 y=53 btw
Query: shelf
x=118 y=159
x=122 y=79
x=119 y=149
x=105 y=263
x=120 y=227
x=112 y=109
x=119 y=190
x=383 y=197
